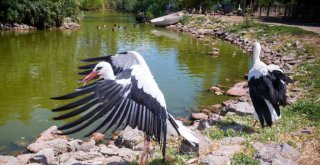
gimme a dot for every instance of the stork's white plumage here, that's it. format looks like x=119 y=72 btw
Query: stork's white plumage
x=125 y=95
x=239 y=8
x=267 y=88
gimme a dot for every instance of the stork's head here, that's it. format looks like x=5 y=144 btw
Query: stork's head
x=103 y=70
x=256 y=48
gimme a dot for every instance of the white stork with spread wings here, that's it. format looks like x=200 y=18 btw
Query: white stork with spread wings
x=267 y=89
x=125 y=95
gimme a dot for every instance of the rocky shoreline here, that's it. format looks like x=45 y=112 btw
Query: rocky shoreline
x=25 y=27
x=50 y=148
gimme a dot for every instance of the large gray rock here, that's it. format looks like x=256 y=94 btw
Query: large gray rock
x=215 y=160
x=127 y=154
x=114 y=160
x=233 y=141
x=241 y=108
x=8 y=160
x=45 y=156
x=199 y=116
x=109 y=150
x=226 y=150
x=239 y=89
x=24 y=159
x=50 y=134
x=59 y=146
x=86 y=146
x=273 y=153
x=130 y=137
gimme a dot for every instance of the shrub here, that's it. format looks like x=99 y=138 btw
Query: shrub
x=39 y=13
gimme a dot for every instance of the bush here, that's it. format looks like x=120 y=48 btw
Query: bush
x=39 y=13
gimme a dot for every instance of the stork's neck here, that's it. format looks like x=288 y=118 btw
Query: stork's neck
x=255 y=56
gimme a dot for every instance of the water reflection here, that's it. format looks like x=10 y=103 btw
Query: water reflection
x=37 y=65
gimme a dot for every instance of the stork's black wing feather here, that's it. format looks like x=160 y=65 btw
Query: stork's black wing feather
x=259 y=90
x=279 y=81
x=118 y=105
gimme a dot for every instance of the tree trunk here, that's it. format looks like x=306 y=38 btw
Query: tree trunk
x=260 y=11
x=251 y=6
x=269 y=6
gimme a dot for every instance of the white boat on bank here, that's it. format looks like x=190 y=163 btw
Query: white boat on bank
x=168 y=19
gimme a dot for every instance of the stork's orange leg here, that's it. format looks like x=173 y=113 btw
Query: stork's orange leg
x=254 y=124
x=145 y=154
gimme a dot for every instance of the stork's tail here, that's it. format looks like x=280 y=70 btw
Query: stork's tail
x=181 y=130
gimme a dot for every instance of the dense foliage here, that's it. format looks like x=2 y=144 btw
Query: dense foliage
x=39 y=13
x=150 y=8
x=92 y=4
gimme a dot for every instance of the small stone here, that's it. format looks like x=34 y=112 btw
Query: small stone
x=205 y=111
x=97 y=137
x=214 y=108
x=187 y=148
x=192 y=161
x=214 y=119
x=74 y=145
x=199 y=116
x=216 y=90
x=21 y=143
x=306 y=130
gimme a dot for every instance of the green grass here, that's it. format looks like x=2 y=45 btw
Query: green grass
x=308 y=109
x=262 y=30
x=173 y=157
x=310 y=78
x=299 y=115
x=243 y=159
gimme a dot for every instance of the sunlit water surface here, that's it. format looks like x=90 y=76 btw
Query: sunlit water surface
x=35 y=66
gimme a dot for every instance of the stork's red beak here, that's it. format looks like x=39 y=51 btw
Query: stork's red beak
x=90 y=76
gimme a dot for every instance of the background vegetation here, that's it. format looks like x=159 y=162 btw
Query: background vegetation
x=39 y=13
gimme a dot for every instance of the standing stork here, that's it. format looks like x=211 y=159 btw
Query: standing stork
x=125 y=95
x=267 y=89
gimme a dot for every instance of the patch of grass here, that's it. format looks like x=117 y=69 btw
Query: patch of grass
x=243 y=159
x=185 y=19
x=172 y=155
x=214 y=133
x=262 y=30
x=309 y=109
x=231 y=126
x=309 y=71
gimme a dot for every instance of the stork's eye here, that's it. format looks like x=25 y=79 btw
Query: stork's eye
x=99 y=68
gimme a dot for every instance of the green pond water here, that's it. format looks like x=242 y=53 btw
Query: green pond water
x=37 y=65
